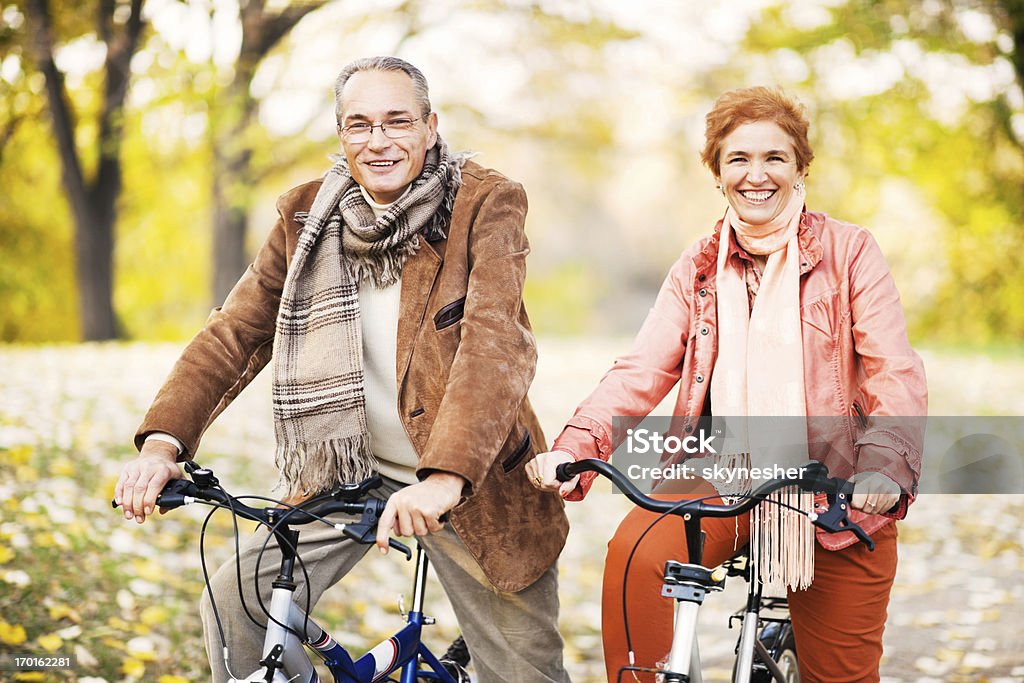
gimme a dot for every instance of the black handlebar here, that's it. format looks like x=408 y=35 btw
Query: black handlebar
x=348 y=498
x=814 y=478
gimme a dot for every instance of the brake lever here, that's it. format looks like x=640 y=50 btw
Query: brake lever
x=837 y=518
x=365 y=530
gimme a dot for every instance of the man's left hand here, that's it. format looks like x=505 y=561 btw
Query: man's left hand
x=416 y=509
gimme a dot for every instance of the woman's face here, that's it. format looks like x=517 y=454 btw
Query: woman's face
x=758 y=170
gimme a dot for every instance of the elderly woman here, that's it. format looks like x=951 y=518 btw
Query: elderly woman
x=780 y=311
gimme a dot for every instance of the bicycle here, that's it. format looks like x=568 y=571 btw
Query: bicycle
x=289 y=627
x=769 y=639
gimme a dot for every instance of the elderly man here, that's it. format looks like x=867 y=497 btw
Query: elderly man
x=390 y=296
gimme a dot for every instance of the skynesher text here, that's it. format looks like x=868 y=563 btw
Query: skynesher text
x=714 y=473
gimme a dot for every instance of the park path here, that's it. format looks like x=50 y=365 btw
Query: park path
x=957 y=611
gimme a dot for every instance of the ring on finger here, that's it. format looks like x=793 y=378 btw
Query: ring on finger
x=538 y=480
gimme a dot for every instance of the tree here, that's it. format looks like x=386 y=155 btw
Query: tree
x=942 y=116
x=92 y=196
x=234 y=175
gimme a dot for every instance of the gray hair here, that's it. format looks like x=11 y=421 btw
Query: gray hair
x=419 y=81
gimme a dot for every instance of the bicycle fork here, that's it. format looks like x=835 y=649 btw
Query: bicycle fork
x=748 y=633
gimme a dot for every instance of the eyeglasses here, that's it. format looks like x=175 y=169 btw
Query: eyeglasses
x=393 y=129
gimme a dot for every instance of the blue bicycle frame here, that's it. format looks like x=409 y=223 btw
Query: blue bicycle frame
x=283 y=650
x=402 y=651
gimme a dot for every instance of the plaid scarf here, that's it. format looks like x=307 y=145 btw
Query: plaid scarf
x=318 y=391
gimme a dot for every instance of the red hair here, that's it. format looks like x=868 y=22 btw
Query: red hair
x=746 y=105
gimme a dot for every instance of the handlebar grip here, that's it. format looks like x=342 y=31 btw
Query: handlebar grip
x=172 y=495
x=568 y=470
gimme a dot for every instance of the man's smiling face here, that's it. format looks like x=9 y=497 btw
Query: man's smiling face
x=385 y=167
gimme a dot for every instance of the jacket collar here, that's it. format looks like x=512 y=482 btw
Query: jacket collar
x=811 y=224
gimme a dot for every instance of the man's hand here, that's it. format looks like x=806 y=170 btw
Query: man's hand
x=143 y=478
x=416 y=509
x=541 y=471
x=874 y=493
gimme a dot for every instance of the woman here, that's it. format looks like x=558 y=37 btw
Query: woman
x=781 y=311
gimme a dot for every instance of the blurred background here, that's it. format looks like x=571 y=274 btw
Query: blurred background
x=142 y=146
x=142 y=143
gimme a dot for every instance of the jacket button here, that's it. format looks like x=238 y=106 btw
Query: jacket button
x=702 y=277
x=689 y=428
x=700 y=378
x=703 y=292
x=704 y=330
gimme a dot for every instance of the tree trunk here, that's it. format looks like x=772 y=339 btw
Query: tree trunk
x=94 y=275
x=233 y=176
x=230 y=219
x=93 y=202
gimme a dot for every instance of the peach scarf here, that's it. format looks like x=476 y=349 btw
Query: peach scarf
x=759 y=373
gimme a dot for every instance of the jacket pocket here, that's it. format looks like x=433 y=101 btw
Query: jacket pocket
x=862 y=419
x=517 y=456
x=450 y=314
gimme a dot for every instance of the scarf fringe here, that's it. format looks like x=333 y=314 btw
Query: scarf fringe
x=311 y=469
x=384 y=269
x=782 y=540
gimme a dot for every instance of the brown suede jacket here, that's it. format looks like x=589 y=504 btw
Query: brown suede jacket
x=466 y=357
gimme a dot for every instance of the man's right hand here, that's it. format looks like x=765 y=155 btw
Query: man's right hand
x=143 y=478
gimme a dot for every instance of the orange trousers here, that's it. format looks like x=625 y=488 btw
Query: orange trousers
x=838 y=621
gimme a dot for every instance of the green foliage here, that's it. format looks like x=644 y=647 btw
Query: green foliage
x=941 y=187
x=966 y=169
x=37 y=288
x=563 y=300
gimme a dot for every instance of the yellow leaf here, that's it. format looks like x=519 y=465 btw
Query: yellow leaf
x=30 y=676
x=12 y=634
x=24 y=473
x=149 y=570
x=44 y=539
x=50 y=642
x=6 y=554
x=60 y=611
x=62 y=468
x=113 y=643
x=167 y=678
x=119 y=623
x=133 y=667
x=18 y=455
x=153 y=615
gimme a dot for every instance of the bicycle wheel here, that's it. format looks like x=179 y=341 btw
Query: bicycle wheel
x=778 y=640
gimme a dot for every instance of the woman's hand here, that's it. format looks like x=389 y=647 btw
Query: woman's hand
x=874 y=493
x=541 y=471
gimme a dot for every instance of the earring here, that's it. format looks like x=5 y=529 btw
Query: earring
x=721 y=189
x=799 y=187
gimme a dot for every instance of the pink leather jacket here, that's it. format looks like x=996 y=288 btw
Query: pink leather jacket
x=858 y=363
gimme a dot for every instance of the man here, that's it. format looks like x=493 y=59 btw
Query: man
x=390 y=295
